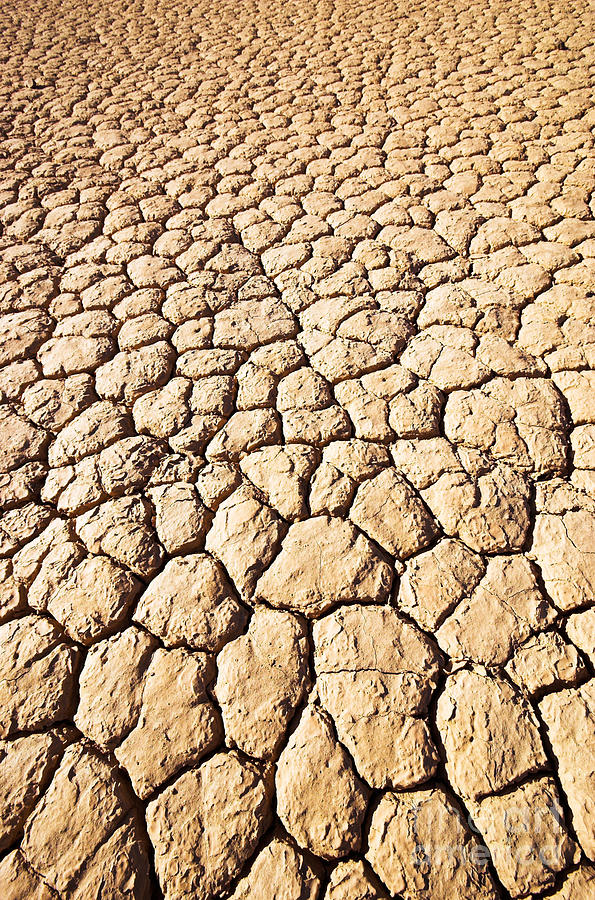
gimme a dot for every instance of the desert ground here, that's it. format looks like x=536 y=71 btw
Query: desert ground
x=297 y=450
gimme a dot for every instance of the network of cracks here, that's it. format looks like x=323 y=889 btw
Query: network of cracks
x=297 y=442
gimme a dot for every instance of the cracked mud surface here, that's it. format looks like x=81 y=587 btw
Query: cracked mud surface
x=297 y=443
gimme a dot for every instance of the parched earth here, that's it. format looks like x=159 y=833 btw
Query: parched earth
x=297 y=434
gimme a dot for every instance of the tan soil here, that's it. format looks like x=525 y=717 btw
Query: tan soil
x=297 y=450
